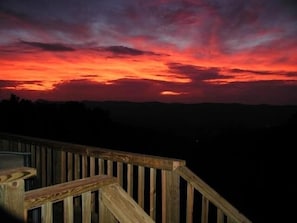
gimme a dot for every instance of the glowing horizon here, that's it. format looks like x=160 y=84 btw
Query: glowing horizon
x=181 y=51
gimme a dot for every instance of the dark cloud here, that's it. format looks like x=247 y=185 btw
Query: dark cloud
x=39 y=20
x=122 y=50
x=9 y=14
x=194 y=22
x=290 y=6
x=251 y=71
x=290 y=74
x=13 y=84
x=179 y=12
x=257 y=92
x=284 y=73
x=10 y=18
x=125 y=51
x=49 y=46
x=89 y=75
x=123 y=89
x=7 y=84
x=196 y=73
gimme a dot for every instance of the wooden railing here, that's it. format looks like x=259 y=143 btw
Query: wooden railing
x=163 y=187
x=115 y=204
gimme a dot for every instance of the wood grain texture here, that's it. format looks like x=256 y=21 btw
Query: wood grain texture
x=38 y=197
x=122 y=206
x=10 y=175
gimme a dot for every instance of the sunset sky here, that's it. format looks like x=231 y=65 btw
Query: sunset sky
x=191 y=51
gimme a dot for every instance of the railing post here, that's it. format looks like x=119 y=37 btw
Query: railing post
x=12 y=198
x=12 y=190
x=170 y=197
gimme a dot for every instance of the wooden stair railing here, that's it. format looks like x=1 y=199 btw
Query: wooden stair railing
x=208 y=195
x=120 y=205
x=164 y=187
x=114 y=203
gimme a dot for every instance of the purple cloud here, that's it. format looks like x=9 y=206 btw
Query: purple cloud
x=123 y=89
x=13 y=84
x=48 y=46
x=196 y=73
x=125 y=51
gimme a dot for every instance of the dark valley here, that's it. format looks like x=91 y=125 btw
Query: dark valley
x=245 y=152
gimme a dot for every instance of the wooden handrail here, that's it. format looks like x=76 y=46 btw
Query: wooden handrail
x=113 y=197
x=10 y=175
x=152 y=161
x=124 y=208
x=58 y=192
x=211 y=195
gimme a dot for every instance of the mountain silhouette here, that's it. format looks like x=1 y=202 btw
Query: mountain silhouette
x=243 y=151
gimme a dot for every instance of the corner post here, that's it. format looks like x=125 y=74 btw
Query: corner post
x=12 y=198
x=12 y=190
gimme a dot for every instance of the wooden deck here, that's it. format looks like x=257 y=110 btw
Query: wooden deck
x=108 y=186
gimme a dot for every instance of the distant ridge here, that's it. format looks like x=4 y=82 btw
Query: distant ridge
x=211 y=115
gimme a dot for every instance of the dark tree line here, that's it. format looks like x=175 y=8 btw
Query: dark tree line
x=74 y=122
x=66 y=121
